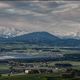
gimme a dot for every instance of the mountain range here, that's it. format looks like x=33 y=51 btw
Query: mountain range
x=42 y=38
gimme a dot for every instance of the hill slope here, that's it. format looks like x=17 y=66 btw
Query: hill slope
x=42 y=38
x=35 y=38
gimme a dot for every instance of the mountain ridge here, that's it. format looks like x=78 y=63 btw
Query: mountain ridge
x=42 y=38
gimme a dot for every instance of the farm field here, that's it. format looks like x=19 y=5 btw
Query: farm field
x=36 y=77
x=18 y=56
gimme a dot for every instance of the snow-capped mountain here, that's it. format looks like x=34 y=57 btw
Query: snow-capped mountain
x=73 y=36
x=7 y=32
x=41 y=38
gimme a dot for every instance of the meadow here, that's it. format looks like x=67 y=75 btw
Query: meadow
x=36 y=77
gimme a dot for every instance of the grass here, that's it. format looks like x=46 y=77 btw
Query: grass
x=4 y=67
x=36 y=77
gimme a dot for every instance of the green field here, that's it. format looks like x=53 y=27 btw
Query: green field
x=4 y=67
x=35 y=77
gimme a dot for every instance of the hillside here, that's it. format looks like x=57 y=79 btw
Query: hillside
x=42 y=38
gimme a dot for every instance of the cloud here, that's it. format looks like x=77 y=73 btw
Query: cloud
x=65 y=8
x=4 y=5
x=60 y=18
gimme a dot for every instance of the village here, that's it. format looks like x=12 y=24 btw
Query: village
x=60 y=69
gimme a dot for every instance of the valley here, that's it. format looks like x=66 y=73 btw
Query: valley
x=16 y=58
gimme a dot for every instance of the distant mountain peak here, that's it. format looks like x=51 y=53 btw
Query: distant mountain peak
x=37 y=37
x=41 y=38
x=72 y=36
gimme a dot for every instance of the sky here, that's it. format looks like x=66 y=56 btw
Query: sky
x=56 y=17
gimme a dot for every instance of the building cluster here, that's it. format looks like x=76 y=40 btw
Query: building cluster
x=43 y=68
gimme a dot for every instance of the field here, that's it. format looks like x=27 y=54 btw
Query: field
x=45 y=56
x=4 y=66
x=36 y=77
